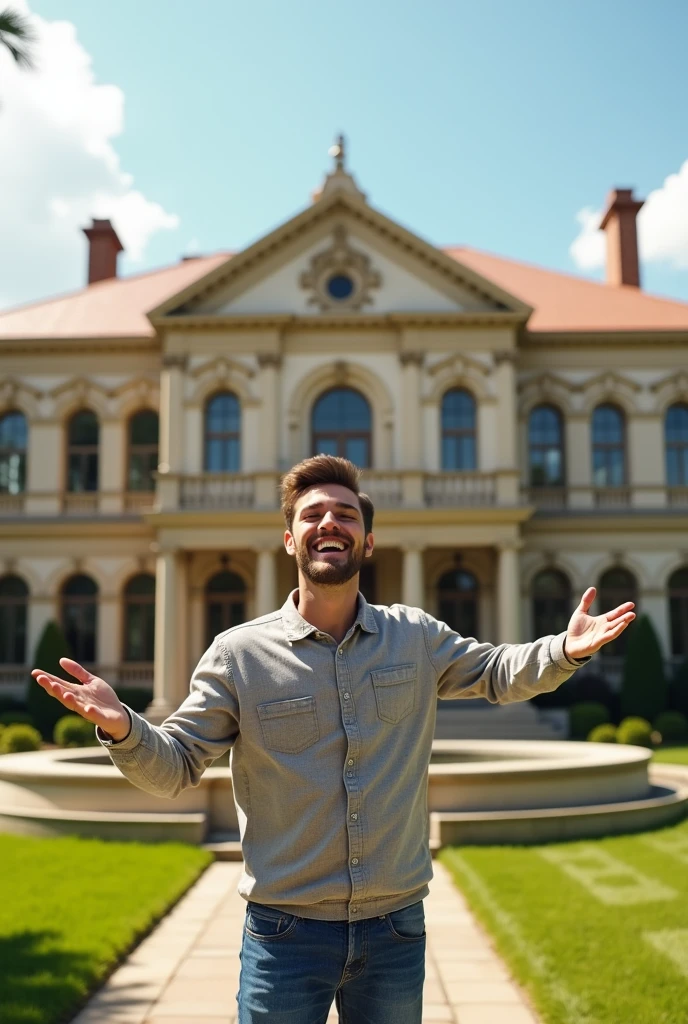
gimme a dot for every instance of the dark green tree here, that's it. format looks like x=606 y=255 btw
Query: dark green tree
x=17 y=36
x=44 y=709
x=644 y=687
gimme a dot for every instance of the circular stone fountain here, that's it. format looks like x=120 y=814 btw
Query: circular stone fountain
x=482 y=791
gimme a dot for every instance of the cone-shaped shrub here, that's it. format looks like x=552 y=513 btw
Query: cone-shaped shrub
x=644 y=687
x=44 y=709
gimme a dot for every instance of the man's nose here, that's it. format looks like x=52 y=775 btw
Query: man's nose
x=327 y=522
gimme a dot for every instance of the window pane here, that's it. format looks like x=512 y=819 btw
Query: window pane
x=225 y=583
x=223 y=414
x=12 y=472
x=80 y=585
x=341 y=409
x=607 y=425
x=544 y=427
x=458 y=410
x=143 y=427
x=142 y=465
x=143 y=584
x=83 y=428
x=140 y=631
x=13 y=632
x=357 y=451
x=676 y=428
x=326 y=446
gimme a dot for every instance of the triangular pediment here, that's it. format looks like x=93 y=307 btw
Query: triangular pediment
x=339 y=257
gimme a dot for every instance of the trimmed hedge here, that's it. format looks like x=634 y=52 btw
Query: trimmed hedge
x=636 y=731
x=584 y=717
x=605 y=733
x=44 y=709
x=136 y=697
x=672 y=726
x=74 y=731
x=16 y=718
x=16 y=739
x=644 y=688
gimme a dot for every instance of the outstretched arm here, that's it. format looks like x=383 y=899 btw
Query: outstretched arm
x=512 y=672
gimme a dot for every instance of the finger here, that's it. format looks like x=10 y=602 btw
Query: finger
x=587 y=599
x=76 y=670
x=625 y=620
x=40 y=675
x=620 y=610
x=617 y=629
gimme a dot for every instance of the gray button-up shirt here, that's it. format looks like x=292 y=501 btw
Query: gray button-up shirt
x=330 y=747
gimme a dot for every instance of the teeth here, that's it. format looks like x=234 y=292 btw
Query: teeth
x=329 y=545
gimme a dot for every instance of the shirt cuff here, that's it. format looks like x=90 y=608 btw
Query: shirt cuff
x=131 y=740
x=559 y=656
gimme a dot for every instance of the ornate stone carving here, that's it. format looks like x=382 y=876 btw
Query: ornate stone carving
x=340 y=260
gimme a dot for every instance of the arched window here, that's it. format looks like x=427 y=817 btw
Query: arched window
x=678 y=612
x=142 y=457
x=546 y=447
x=82 y=452
x=458 y=430
x=225 y=603
x=223 y=433
x=139 y=618
x=342 y=426
x=457 y=601
x=13 y=436
x=367 y=582
x=79 y=616
x=551 y=594
x=615 y=587
x=14 y=596
x=608 y=446
x=676 y=442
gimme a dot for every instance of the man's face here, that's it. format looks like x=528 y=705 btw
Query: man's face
x=327 y=535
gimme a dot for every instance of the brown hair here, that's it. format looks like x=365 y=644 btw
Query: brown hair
x=323 y=469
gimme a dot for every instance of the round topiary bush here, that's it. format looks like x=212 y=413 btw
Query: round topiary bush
x=16 y=718
x=17 y=739
x=636 y=731
x=585 y=716
x=74 y=731
x=672 y=725
x=605 y=733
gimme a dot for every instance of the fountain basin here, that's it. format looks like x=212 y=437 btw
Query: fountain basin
x=479 y=791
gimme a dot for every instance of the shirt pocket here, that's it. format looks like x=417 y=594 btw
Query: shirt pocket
x=289 y=726
x=395 y=692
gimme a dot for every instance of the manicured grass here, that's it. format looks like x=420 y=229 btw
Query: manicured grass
x=596 y=931
x=69 y=909
x=672 y=755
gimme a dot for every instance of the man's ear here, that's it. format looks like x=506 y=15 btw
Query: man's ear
x=289 y=544
x=369 y=545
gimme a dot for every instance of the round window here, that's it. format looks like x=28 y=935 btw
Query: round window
x=340 y=286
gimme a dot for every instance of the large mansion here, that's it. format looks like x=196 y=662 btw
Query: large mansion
x=523 y=434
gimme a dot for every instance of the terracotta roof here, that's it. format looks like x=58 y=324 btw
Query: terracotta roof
x=113 y=308
x=563 y=302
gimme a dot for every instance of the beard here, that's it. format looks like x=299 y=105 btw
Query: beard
x=329 y=574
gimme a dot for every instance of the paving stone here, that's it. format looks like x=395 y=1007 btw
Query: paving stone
x=493 y=1014
x=489 y=992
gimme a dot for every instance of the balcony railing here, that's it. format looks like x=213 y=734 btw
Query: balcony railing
x=449 y=490
x=217 y=491
x=612 y=497
x=385 y=490
x=126 y=673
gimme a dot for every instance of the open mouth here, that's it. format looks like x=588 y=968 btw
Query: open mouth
x=328 y=545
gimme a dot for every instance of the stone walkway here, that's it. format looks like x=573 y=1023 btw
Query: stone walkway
x=187 y=970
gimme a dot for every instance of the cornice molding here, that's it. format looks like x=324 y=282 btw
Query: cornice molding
x=288 y=322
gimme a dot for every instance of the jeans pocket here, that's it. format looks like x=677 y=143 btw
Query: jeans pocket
x=267 y=924
x=395 y=692
x=289 y=726
x=407 y=924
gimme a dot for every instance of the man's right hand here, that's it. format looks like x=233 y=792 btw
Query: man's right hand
x=91 y=697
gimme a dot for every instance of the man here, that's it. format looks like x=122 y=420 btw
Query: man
x=329 y=707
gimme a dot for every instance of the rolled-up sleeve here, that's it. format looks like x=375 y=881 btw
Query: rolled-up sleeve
x=501 y=674
x=169 y=758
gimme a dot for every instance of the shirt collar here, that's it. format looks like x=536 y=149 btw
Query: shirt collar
x=296 y=627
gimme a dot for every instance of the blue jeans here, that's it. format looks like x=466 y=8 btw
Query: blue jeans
x=292 y=968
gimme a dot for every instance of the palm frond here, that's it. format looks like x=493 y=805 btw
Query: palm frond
x=17 y=36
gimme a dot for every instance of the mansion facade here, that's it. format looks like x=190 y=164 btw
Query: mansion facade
x=523 y=434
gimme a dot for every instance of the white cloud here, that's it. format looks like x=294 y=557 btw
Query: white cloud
x=59 y=167
x=662 y=228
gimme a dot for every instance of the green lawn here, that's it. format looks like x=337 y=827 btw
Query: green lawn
x=70 y=908
x=672 y=755
x=596 y=931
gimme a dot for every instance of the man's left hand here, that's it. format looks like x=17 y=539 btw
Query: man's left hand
x=587 y=633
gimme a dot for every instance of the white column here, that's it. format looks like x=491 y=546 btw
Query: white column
x=508 y=593
x=578 y=458
x=507 y=429
x=646 y=461
x=412 y=578
x=108 y=652
x=171 y=429
x=164 y=679
x=45 y=467
x=111 y=467
x=410 y=420
x=266 y=581
x=269 y=363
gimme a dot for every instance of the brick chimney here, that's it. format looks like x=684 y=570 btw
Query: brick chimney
x=103 y=246
x=619 y=225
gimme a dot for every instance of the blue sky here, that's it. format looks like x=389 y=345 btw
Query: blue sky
x=491 y=124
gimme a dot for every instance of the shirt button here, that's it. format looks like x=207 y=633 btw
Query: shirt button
x=349 y=775
x=354 y=817
x=354 y=910
x=354 y=860
x=340 y=652
x=350 y=761
x=347 y=696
